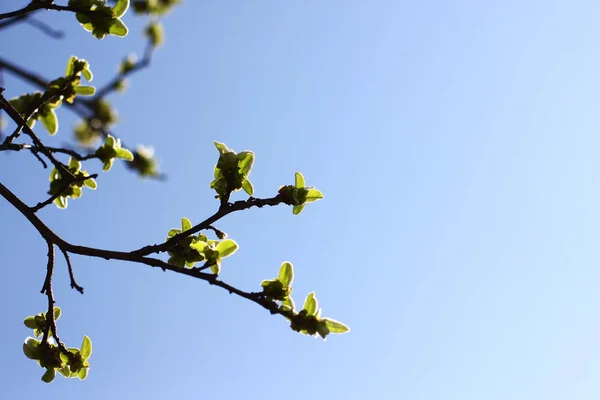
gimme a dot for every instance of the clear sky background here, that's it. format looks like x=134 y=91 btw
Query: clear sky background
x=457 y=147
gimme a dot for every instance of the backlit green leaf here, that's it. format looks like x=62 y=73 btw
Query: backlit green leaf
x=30 y=322
x=335 y=326
x=245 y=162
x=118 y=28
x=86 y=348
x=313 y=195
x=124 y=154
x=298 y=209
x=286 y=274
x=226 y=248
x=85 y=90
x=299 y=180
x=186 y=224
x=120 y=8
x=247 y=186
x=221 y=147
x=90 y=183
x=50 y=121
x=311 y=304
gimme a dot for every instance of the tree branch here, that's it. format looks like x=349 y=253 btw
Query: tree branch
x=74 y=284
x=15 y=116
x=135 y=257
x=39 y=5
x=228 y=208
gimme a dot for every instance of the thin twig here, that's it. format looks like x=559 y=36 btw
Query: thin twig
x=134 y=257
x=74 y=284
x=223 y=211
x=12 y=21
x=44 y=28
x=39 y=4
x=15 y=116
x=50 y=317
x=114 y=83
x=47 y=288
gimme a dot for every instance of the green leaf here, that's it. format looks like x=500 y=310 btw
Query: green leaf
x=310 y=304
x=70 y=66
x=221 y=147
x=82 y=373
x=299 y=180
x=120 y=8
x=154 y=33
x=86 y=348
x=173 y=232
x=335 y=326
x=74 y=164
x=108 y=164
x=49 y=375
x=245 y=162
x=90 y=183
x=65 y=371
x=186 y=224
x=313 y=195
x=288 y=303
x=30 y=322
x=216 y=268
x=110 y=141
x=200 y=246
x=50 y=121
x=85 y=90
x=31 y=348
x=286 y=274
x=298 y=209
x=217 y=172
x=56 y=313
x=226 y=248
x=87 y=73
x=247 y=186
x=76 y=192
x=118 y=28
x=322 y=329
x=61 y=202
x=124 y=154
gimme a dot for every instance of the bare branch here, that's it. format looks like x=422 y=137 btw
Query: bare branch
x=74 y=284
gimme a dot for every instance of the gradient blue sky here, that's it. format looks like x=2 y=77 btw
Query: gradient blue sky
x=456 y=144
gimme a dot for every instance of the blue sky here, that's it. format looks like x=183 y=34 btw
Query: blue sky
x=455 y=142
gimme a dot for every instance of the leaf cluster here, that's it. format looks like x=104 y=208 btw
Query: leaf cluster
x=71 y=362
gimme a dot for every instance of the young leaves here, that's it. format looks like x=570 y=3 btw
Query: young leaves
x=309 y=322
x=280 y=288
x=299 y=195
x=154 y=7
x=71 y=363
x=193 y=249
x=64 y=188
x=41 y=106
x=101 y=19
x=214 y=251
x=144 y=162
x=231 y=172
x=38 y=322
x=155 y=34
x=110 y=150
